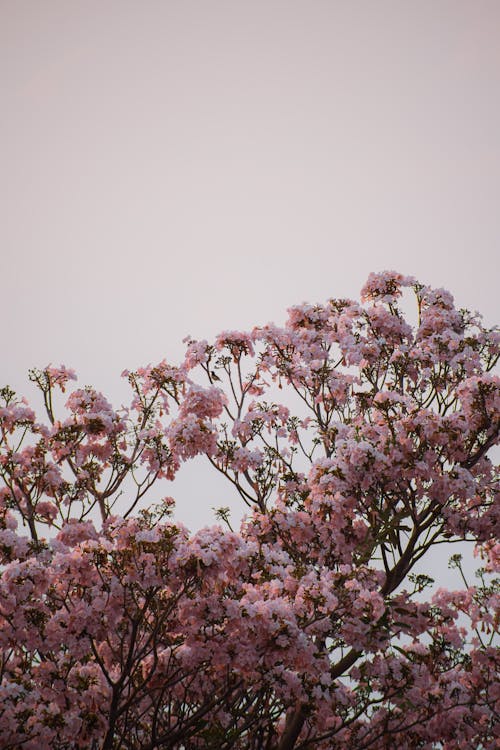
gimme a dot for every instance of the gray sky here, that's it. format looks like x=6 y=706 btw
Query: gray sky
x=184 y=167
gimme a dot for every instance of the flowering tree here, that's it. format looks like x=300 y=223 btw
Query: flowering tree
x=358 y=442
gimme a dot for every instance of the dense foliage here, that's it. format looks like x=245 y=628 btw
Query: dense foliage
x=358 y=441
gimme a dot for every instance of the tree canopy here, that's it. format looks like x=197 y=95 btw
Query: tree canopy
x=357 y=440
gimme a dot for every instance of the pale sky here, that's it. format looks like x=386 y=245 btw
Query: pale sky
x=173 y=168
